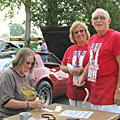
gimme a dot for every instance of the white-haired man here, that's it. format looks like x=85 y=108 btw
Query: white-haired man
x=103 y=69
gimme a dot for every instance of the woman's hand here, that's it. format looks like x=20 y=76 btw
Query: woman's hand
x=37 y=104
x=45 y=105
x=77 y=72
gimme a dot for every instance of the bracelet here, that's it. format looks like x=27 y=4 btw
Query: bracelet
x=118 y=89
x=27 y=104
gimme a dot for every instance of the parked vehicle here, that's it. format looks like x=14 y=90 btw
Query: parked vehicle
x=57 y=39
x=50 y=81
x=33 y=37
x=7 y=46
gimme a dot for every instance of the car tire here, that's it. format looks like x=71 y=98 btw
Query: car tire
x=44 y=90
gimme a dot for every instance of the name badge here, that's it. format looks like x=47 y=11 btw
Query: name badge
x=75 y=78
x=92 y=73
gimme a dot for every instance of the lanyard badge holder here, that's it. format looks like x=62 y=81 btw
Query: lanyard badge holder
x=87 y=95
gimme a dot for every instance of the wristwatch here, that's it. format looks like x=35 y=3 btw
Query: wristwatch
x=118 y=89
x=27 y=104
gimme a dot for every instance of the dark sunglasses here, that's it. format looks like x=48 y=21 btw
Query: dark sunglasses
x=30 y=63
x=81 y=31
x=101 y=18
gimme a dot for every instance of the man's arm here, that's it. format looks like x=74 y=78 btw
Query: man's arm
x=83 y=77
x=117 y=92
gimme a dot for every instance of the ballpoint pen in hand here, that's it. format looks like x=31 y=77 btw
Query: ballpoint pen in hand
x=41 y=98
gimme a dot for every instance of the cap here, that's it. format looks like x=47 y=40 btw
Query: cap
x=40 y=41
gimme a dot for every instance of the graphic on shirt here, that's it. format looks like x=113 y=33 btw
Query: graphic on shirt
x=92 y=71
x=81 y=58
x=28 y=91
x=80 y=62
x=94 y=51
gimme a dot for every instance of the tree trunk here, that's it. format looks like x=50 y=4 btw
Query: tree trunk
x=27 y=25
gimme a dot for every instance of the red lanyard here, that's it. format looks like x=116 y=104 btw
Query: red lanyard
x=94 y=51
x=78 y=57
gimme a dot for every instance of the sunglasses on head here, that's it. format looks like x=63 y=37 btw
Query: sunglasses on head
x=101 y=18
x=30 y=63
x=81 y=31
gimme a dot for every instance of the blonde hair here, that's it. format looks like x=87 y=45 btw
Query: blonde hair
x=72 y=28
x=101 y=10
x=21 y=57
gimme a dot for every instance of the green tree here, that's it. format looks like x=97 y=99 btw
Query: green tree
x=27 y=4
x=56 y=12
x=34 y=31
x=16 y=29
x=65 y=12
x=5 y=34
x=112 y=6
x=62 y=12
x=15 y=5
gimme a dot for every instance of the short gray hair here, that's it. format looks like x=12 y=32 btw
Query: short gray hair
x=101 y=10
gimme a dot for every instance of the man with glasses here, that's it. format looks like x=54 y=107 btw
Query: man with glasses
x=103 y=69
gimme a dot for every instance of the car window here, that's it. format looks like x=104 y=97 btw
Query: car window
x=50 y=61
x=48 y=58
x=36 y=63
x=5 y=60
x=2 y=45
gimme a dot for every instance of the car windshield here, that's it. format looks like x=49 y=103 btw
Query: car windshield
x=2 y=45
x=49 y=58
x=5 y=60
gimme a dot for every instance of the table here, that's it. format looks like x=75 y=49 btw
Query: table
x=97 y=115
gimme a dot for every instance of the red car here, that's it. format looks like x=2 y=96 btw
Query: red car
x=50 y=81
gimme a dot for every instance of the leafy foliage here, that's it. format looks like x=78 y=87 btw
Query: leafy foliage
x=65 y=12
x=112 y=6
x=56 y=12
x=34 y=31
x=5 y=34
x=16 y=29
x=13 y=5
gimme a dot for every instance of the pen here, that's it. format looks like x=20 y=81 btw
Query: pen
x=41 y=98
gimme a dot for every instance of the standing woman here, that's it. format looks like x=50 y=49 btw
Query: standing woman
x=43 y=47
x=17 y=89
x=76 y=57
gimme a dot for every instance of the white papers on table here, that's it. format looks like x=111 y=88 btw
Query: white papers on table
x=57 y=109
x=78 y=114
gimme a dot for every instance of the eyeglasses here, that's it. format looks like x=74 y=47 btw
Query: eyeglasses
x=81 y=31
x=30 y=63
x=101 y=18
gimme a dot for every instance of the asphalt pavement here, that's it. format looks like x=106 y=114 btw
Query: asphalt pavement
x=62 y=100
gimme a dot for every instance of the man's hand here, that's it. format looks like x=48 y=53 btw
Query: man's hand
x=117 y=97
x=80 y=81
